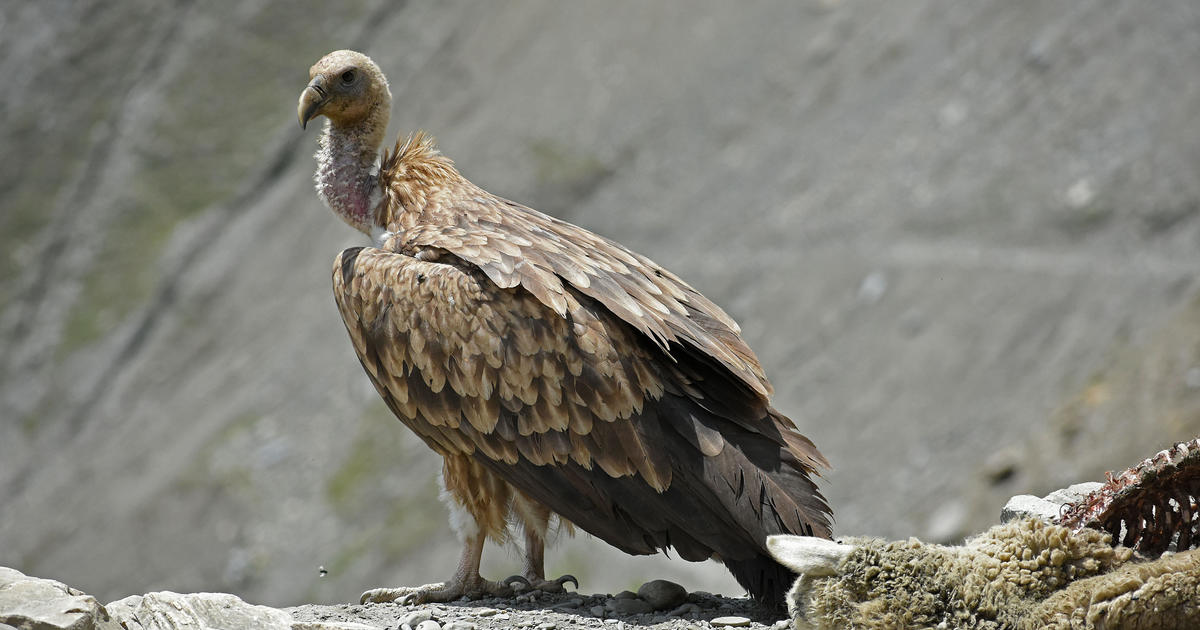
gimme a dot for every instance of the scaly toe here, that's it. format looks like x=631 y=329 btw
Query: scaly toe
x=441 y=592
x=410 y=594
x=382 y=595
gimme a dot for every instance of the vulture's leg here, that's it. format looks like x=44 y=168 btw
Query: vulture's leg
x=478 y=502
x=535 y=518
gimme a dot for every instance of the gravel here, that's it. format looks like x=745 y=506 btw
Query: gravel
x=563 y=611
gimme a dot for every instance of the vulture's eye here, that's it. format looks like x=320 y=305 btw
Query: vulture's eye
x=348 y=77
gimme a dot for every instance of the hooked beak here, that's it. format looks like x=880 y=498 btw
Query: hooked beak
x=311 y=100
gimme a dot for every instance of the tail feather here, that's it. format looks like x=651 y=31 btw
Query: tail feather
x=766 y=580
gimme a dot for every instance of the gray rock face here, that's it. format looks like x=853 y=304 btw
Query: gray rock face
x=1047 y=508
x=30 y=603
x=195 y=611
x=1029 y=506
x=1074 y=493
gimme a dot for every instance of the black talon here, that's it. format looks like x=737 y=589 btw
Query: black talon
x=567 y=578
x=517 y=579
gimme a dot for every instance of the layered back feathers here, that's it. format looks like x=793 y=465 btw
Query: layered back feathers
x=427 y=200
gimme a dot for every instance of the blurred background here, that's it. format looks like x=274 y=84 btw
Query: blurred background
x=963 y=238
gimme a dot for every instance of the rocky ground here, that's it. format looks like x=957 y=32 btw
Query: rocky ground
x=556 y=612
x=33 y=603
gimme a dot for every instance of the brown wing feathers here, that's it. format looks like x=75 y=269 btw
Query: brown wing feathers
x=585 y=415
x=432 y=349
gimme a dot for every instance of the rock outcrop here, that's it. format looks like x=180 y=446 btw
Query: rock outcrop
x=30 y=603
x=175 y=611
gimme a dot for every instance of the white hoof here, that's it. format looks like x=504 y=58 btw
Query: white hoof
x=808 y=556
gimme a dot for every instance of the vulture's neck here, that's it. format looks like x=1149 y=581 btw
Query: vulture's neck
x=347 y=173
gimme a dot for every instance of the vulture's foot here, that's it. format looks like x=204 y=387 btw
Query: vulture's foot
x=470 y=588
x=524 y=584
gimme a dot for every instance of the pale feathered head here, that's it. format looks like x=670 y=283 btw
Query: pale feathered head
x=346 y=87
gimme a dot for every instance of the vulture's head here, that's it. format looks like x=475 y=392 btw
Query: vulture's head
x=346 y=87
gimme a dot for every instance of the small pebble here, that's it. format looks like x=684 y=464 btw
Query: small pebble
x=574 y=602
x=625 y=595
x=782 y=624
x=626 y=607
x=415 y=618
x=730 y=622
x=685 y=609
x=547 y=626
x=503 y=616
x=459 y=625
x=429 y=624
x=597 y=611
x=486 y=612
x=662 y=594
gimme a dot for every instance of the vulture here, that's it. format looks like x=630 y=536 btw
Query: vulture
x=558 y=373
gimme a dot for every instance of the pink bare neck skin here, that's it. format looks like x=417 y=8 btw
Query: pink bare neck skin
x=346 y=175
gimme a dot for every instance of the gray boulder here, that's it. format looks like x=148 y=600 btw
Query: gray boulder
x=1046 y=508
x=40 y=604
x=663 y=594
x=195 y=611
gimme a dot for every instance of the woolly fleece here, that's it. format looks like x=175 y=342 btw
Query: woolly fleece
x=1023 y=574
